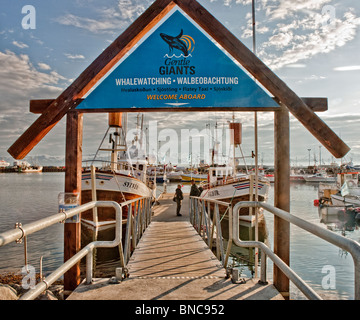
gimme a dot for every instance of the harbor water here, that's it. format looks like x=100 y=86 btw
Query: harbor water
x=28 y=197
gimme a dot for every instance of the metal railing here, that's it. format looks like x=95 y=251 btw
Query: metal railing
x=198 y=218
x=208 y=227
x=139 y=217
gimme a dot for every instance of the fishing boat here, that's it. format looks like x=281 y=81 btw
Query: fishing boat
x=32 y=169
x=197 y=177
x=345 y=200
x=121 y=179
x=26 y=167
x=346 y=185
x=319 y=177
x=174 y=176
x=225 y=184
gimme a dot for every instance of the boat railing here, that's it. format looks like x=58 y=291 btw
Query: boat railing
x=202 y=209
x=121 y=167
x=223 y=181
x=138 y=219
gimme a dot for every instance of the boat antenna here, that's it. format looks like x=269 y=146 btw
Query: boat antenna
x=97 y=151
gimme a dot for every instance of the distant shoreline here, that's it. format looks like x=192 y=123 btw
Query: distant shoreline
x=45 y=169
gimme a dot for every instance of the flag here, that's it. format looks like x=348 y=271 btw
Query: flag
x=344 y=190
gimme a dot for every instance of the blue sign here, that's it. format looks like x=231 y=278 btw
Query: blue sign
x=177 y=66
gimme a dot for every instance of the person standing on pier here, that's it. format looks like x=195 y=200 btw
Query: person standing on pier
x=194 y=191
x=178 y=197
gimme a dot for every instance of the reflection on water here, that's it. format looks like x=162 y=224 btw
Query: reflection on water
x=339 y=219
x=105 y=259
x=309 y=255
x=244 y=258
x=25 y=198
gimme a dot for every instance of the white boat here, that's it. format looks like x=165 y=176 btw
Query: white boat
x=123 y=178
x=319 y=177
x=4 y=164
x=224 y=186
x=32 y=169
x=26 y=167
x=174 y=175
x=348 y=200
x=344 y=192
x=346 y=184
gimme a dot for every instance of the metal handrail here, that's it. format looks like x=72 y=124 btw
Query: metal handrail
x=352 y=246
x=87 y=251
x=347 y=244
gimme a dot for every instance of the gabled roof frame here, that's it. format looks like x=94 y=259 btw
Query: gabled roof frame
x=71 y=97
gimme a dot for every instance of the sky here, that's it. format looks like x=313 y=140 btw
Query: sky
x=312 y=45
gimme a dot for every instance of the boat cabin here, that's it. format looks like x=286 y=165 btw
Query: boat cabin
x=352 y=179
x=217 y=174
x=137 y=168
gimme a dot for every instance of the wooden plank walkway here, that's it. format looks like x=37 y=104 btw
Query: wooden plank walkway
x=172 y=262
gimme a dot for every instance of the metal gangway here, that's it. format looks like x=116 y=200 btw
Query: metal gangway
x=202 y=221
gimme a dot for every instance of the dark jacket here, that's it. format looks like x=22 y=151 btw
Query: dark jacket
x=179 y=194
x=194 y=191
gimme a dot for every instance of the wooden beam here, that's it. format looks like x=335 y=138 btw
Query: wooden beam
x=68 y=99
x=282 y=196
x=87 y=79
x=315 y=104
x=73 y=168
x=265 y=76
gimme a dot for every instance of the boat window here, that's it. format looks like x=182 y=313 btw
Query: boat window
x=141 y=167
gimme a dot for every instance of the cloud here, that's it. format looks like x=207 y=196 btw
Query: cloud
x=284 y=9
x=296 y=65
x=347 y=68
x=92 y=25
x=19 y=78
x=306 y=37
x=44 y=66
x=20 y=44
x=109 y=20
x=21 y=81
x=74 y=56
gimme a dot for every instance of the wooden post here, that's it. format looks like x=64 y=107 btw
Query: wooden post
x=282 y=197
x=73 y=168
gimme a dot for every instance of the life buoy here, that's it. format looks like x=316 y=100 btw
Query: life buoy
x=351 y=183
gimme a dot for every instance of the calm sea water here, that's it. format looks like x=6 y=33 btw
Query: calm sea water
x=28 y=197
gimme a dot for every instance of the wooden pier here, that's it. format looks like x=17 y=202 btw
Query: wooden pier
x=172 y=262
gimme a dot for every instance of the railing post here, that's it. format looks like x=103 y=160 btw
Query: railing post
x=89 y=267
x=263 y=267
x=205 y=220
x=201 y=215
x=219 y=241
x=127 y=235
x=357 y=277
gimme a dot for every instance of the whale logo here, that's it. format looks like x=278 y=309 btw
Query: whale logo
x=184 y=43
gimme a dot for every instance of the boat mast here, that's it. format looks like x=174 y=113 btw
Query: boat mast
x=256 y=152
x=234 y=164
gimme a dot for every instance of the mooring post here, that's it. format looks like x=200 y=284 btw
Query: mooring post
x=282 y=196
x=73 y=168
